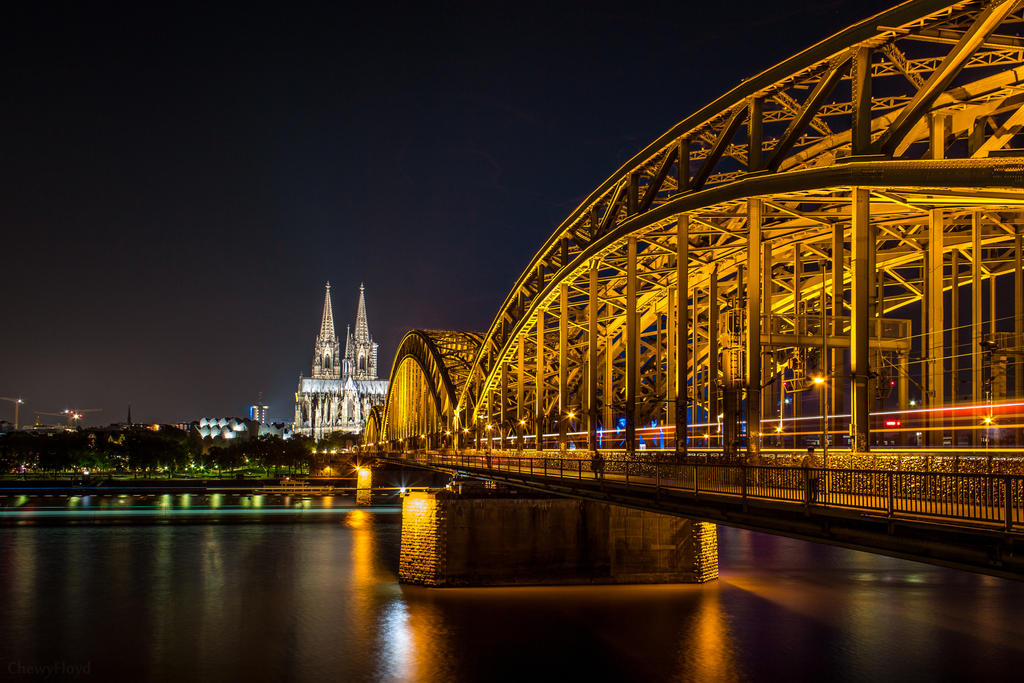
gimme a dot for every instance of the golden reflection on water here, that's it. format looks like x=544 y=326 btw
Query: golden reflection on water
x=363 y=602
x=428 y=650
x=357 y=519
x=707 y=653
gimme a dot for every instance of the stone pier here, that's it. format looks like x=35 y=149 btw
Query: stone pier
x=364 y=484
x=486 y=539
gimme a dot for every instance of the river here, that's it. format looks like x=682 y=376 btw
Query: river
x=175 y=589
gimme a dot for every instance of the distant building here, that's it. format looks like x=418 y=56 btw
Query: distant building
x=229 y=428
x=258 y=412
x=343 y=389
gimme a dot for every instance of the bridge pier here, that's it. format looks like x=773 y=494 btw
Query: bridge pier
x=494 y=538
x=364 y=482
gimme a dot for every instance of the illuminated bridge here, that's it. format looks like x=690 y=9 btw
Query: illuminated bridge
x=829 y=255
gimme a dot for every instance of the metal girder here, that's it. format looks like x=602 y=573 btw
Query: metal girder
x=445 y=360
x=563 y=336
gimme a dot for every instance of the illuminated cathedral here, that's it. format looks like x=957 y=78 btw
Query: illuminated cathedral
x=342 y=390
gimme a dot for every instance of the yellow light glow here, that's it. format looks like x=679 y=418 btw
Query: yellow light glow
x=819 y=379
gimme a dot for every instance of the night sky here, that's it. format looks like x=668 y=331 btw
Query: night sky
x=179 y=182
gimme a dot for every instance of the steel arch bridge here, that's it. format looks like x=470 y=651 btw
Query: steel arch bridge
x=843 y=230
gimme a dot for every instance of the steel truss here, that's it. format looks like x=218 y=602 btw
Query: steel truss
x=817 y=221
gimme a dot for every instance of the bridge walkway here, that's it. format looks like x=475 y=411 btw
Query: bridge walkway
x=972 y=521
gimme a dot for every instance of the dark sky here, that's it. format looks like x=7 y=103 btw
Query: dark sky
x=179 y=182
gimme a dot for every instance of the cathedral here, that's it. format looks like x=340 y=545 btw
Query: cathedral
x=342 y=390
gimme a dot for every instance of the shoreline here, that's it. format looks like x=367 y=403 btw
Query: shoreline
x=205 y=486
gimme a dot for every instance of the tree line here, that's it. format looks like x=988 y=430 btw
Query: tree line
x=144 y=452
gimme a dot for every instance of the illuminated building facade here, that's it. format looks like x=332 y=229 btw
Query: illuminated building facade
x=228 y=428
x=342 y=390
x=258 y=411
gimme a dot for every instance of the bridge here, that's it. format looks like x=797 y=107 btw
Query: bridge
x=828 y=256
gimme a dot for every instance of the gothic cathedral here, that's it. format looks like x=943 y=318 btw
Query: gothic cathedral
x=343 y=389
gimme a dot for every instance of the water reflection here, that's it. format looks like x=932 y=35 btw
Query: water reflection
x=320 y=601
x=168 y=507
x=706 y=649
x=396 y=643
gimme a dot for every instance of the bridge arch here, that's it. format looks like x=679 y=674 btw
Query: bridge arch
x=808 y=231
x=372 y=431
x=427 y=375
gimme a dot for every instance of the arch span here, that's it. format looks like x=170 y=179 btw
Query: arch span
x=428 y=374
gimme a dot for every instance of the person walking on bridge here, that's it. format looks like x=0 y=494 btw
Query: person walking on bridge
x=597 y=465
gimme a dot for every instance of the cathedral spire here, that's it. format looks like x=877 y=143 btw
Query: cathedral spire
x=327 y=322
x=326 y=364
x=362 y=329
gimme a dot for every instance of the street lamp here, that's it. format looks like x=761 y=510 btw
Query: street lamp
x=821 y=381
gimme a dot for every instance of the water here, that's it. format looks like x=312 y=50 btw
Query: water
x=260 y=601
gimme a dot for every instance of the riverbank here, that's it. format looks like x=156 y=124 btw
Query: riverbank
x=83 y=486
x=386 y=479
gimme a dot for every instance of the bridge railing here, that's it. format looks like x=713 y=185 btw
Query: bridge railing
x=993 y=499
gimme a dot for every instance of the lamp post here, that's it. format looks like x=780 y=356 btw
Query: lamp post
x=821 y=381
x=569 y=416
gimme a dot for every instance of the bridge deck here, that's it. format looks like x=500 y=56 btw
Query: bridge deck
x=970 y=521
